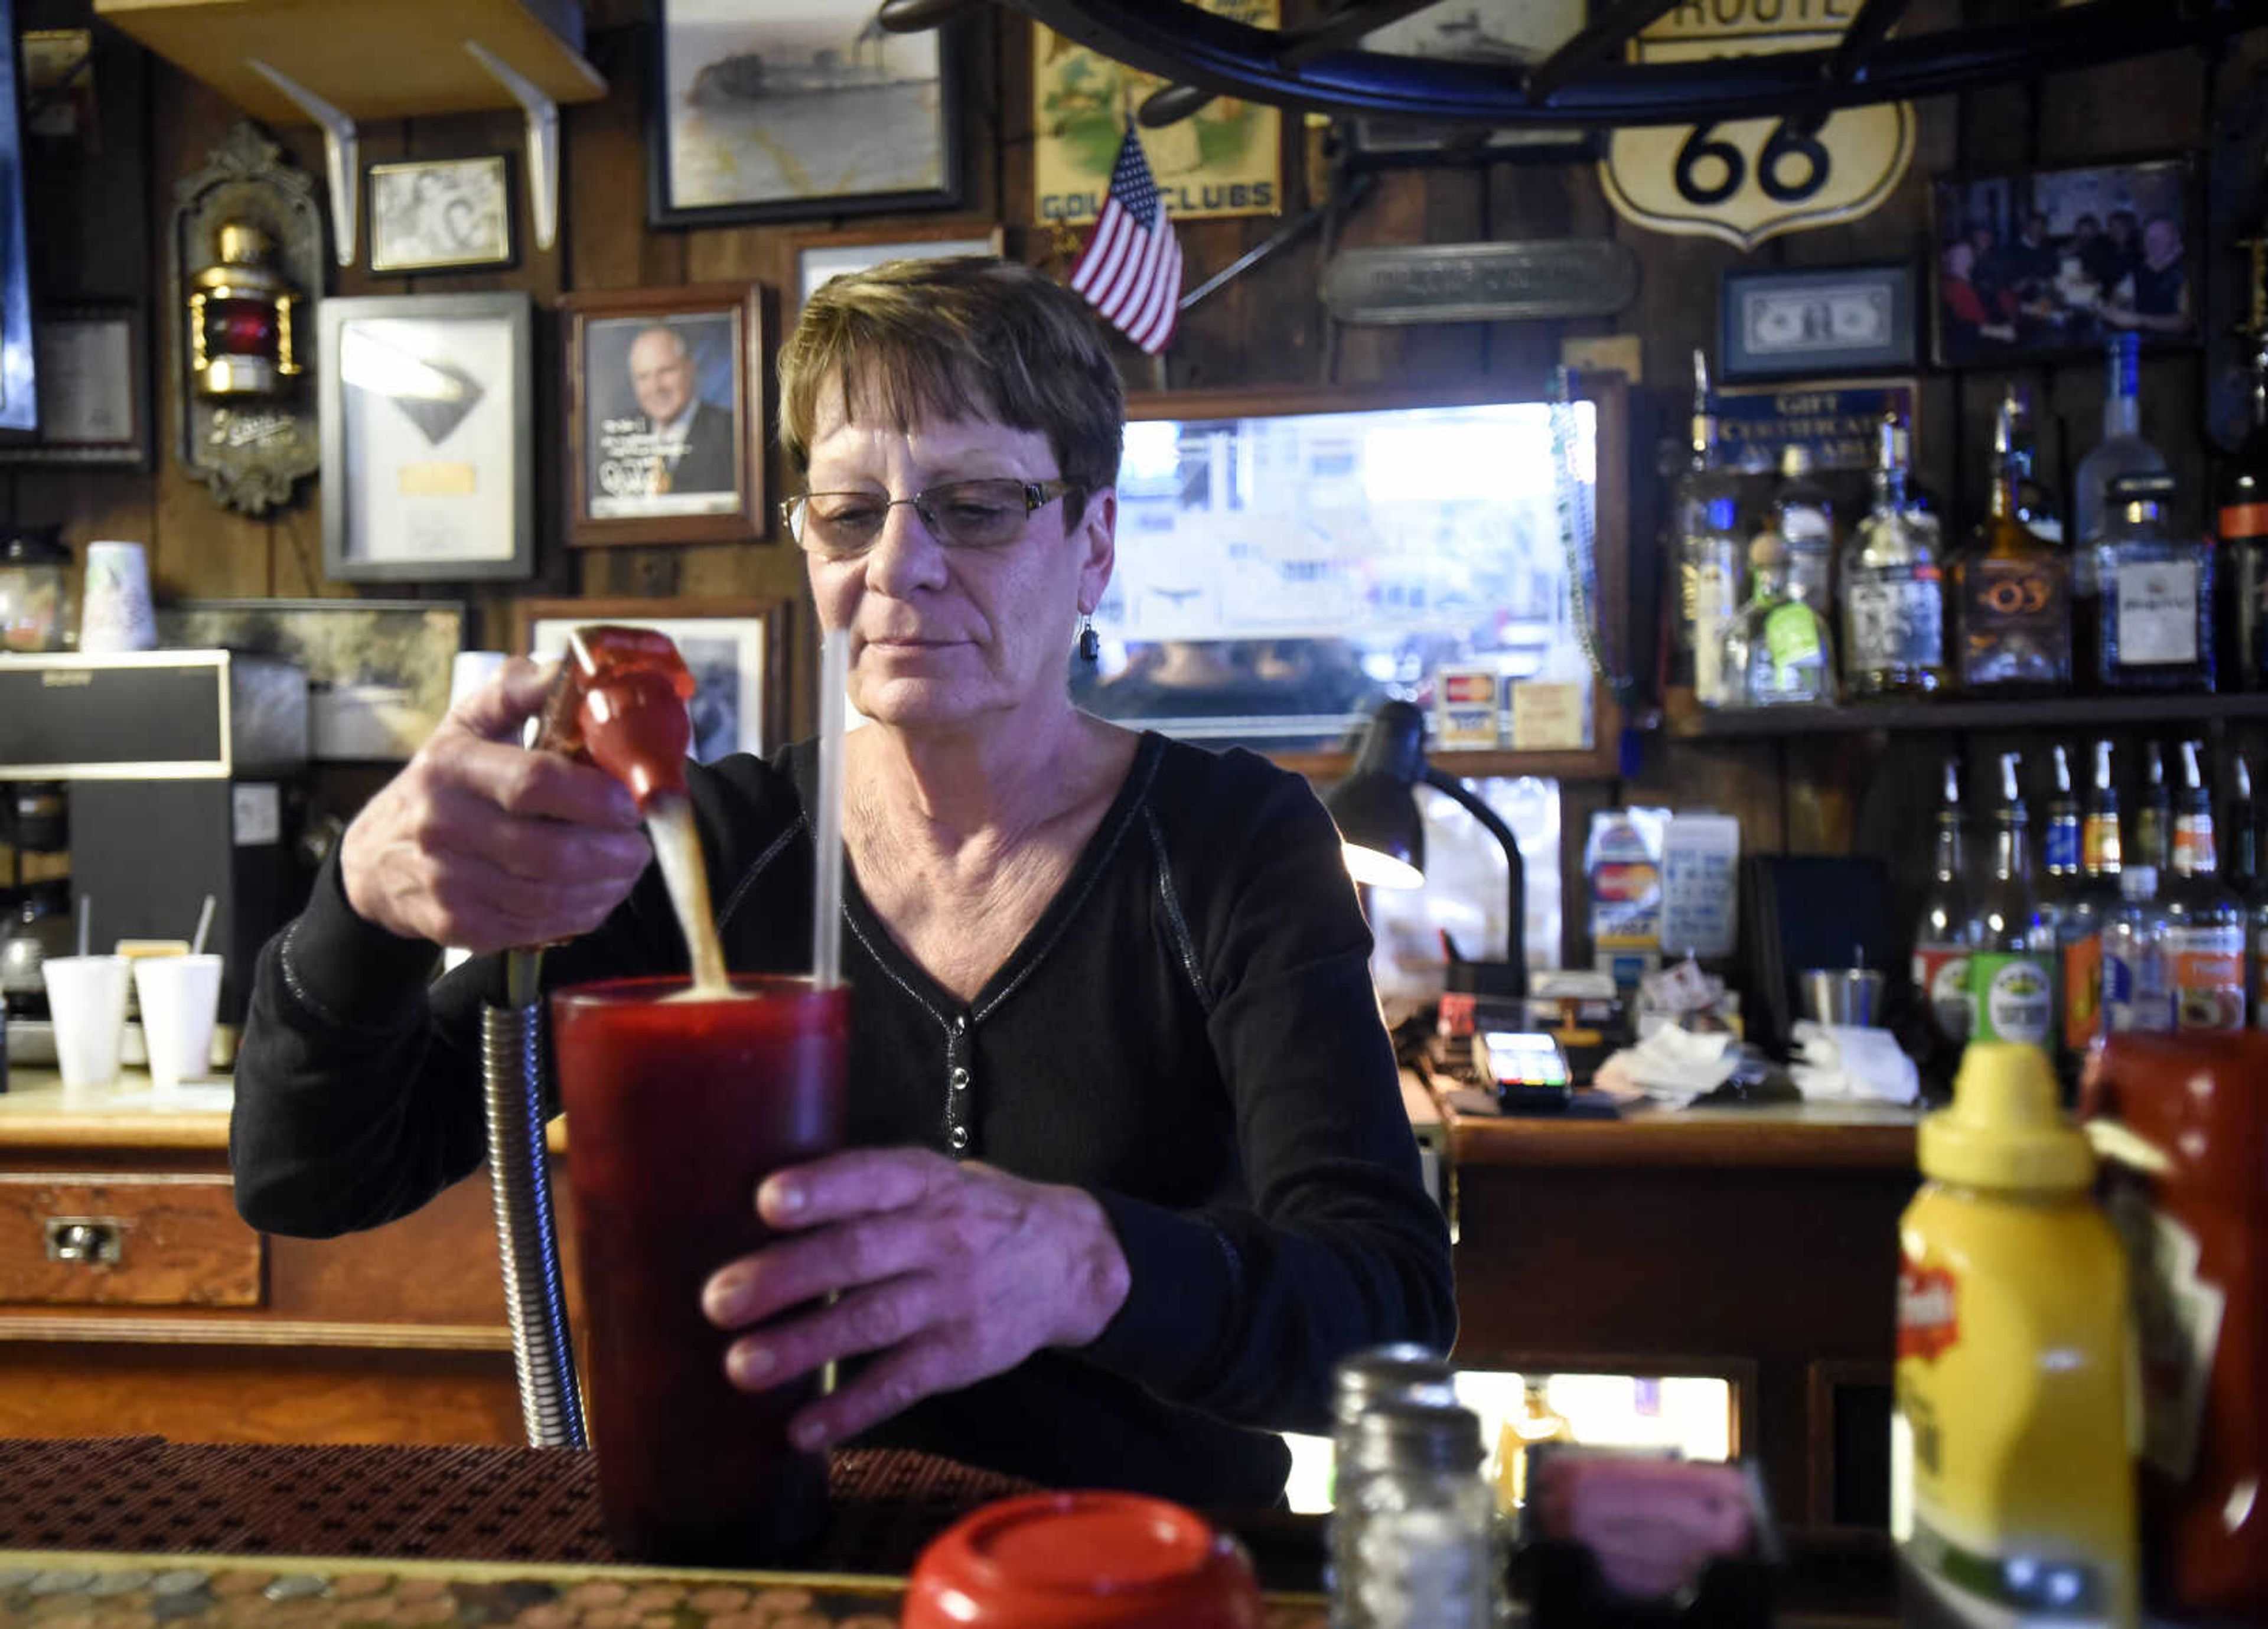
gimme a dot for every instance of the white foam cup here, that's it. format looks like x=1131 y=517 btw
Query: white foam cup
x=86 y=999
x=179 y=995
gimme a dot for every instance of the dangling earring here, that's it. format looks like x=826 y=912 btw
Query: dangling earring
x=1090 y=645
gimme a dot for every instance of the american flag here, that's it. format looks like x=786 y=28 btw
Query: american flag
x=1130 y=271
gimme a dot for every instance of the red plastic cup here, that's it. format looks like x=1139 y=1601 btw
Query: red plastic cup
x=676 y=1110
x=1082 y=1560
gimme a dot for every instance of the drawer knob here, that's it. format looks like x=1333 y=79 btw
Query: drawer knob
x=92 y=1240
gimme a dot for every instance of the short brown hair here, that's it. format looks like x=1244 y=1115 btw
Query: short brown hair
x=956 y=338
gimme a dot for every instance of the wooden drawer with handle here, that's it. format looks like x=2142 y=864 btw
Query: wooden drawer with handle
x=126 y=1240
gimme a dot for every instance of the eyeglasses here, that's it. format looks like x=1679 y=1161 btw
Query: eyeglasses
x=960 y=514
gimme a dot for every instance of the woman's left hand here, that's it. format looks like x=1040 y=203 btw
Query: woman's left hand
x=951 y=1272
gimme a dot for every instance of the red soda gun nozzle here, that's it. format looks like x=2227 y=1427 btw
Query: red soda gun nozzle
x=618 y=702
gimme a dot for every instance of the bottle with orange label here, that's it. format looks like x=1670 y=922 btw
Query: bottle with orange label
x=2011 y=1481
x=2203 y=926
x=2088 y=910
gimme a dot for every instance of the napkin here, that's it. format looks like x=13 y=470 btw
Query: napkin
x=1673 y=1065
x=1841 y=1062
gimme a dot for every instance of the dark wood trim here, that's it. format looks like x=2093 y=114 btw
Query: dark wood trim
x=1762 y=1138
x=1821 y=1381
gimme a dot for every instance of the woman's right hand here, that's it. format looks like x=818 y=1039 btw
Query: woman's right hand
x=483 y=844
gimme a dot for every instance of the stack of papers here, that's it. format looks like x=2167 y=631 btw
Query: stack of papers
x=1672 y=1065
x=1839 y=1062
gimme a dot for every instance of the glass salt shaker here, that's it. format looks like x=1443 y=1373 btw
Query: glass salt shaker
x=1413 y=1535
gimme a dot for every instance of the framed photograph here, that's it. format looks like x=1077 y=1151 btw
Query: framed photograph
x=92 y=367
x=378 y=670
x=736 y=648
x=20 y=402
x=822 y=255
x=665 y=414
x=441 y=214
x=2038 y=263
x=1502 y=34
x=428 y=437
x=1808 y=321
x=766 y=110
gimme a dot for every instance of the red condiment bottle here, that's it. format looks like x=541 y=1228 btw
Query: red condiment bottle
x=2183 y=1125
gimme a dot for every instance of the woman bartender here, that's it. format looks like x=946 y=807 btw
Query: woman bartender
x=1129 y=1171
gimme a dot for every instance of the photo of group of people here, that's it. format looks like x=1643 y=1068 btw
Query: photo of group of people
x=2058 y=260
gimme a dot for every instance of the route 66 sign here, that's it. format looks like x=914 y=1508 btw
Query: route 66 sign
x=1747 y=180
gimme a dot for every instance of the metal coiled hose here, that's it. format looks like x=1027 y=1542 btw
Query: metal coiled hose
x=520 y=1177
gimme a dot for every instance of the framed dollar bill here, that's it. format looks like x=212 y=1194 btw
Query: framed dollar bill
x=1800 y=323
x=428 y=437
x=665 y=414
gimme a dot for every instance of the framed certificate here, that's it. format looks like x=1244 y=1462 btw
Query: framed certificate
x=428 y=438
x=93 y=377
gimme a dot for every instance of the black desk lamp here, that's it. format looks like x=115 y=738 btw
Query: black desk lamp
x=1385 y=837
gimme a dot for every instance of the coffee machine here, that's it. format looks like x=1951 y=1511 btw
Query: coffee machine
x=184 y=773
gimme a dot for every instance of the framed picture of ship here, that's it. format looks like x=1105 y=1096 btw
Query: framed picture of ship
x=767 y=110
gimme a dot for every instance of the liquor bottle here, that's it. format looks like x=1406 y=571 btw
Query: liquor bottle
x=2011 y=589
x=2153 y=822
x=2079 y=935
x=1710 y=550
x=2035 y=504
x=2135 y=995
x=1778 y=649
x=1945 y=933
x=2243 y=832
x=2011 y=969
x=2060 y=849
x=2155 y=599
x=2096 y=518
x=2241 y=521
x=1803 y=514
x=2202 y=924
x=1893 y=586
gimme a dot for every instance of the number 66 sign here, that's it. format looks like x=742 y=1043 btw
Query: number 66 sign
x=1747 y=180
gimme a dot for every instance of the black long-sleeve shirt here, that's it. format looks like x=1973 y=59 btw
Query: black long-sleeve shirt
x=1188 y=1032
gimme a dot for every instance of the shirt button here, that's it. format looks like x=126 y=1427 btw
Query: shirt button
x=959 y=1078
x=959 y=1138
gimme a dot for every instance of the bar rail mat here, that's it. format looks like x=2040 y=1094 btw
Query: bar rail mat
x=487 y=1504
x=98 y=1591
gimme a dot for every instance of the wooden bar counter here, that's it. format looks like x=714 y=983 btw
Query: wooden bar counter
x=203 y=1330
x=1757 y=1244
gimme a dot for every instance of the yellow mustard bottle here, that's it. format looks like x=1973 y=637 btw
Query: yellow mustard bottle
x=2012 y=1473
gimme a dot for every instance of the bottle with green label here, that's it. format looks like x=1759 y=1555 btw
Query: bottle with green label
x=2012 y=980
x=1778 y=645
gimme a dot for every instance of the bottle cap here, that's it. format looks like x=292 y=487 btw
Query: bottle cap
x=1767 y=550
x=2004 y=1130
x=1401 y=1369
x=1082 y=1560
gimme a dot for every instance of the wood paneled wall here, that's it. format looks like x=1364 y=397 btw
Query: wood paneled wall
x=99 y=220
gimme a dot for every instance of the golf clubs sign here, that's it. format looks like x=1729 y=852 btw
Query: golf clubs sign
x=1747 y=180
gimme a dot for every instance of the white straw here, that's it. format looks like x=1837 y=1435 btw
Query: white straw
x=85 y=923
x=204 y=925
x=827 y=906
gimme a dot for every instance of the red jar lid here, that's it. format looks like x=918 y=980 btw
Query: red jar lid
x=1080 y=1560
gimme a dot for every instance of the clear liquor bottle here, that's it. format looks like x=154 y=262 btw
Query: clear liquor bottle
x=2156 y=596
x=2012 y=589
x=1778 y=651
x=2092 y=904
x=1710 y=551
x=2202 y=930
x=2135 y=994
x=2122 y=451
x=2241 y=521
x=2059 y=848
x=1946 y=931
x=1893 y=586
x=2012 y=968
x=1803 y=514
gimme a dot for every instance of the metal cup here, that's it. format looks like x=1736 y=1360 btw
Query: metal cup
x=1842 y=995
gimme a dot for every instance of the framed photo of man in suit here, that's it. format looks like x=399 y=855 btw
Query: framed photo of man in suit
x=665 y=420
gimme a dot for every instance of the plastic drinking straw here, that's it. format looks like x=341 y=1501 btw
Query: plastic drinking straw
x=204 y=925
x=827 y=918
x=85 y=921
